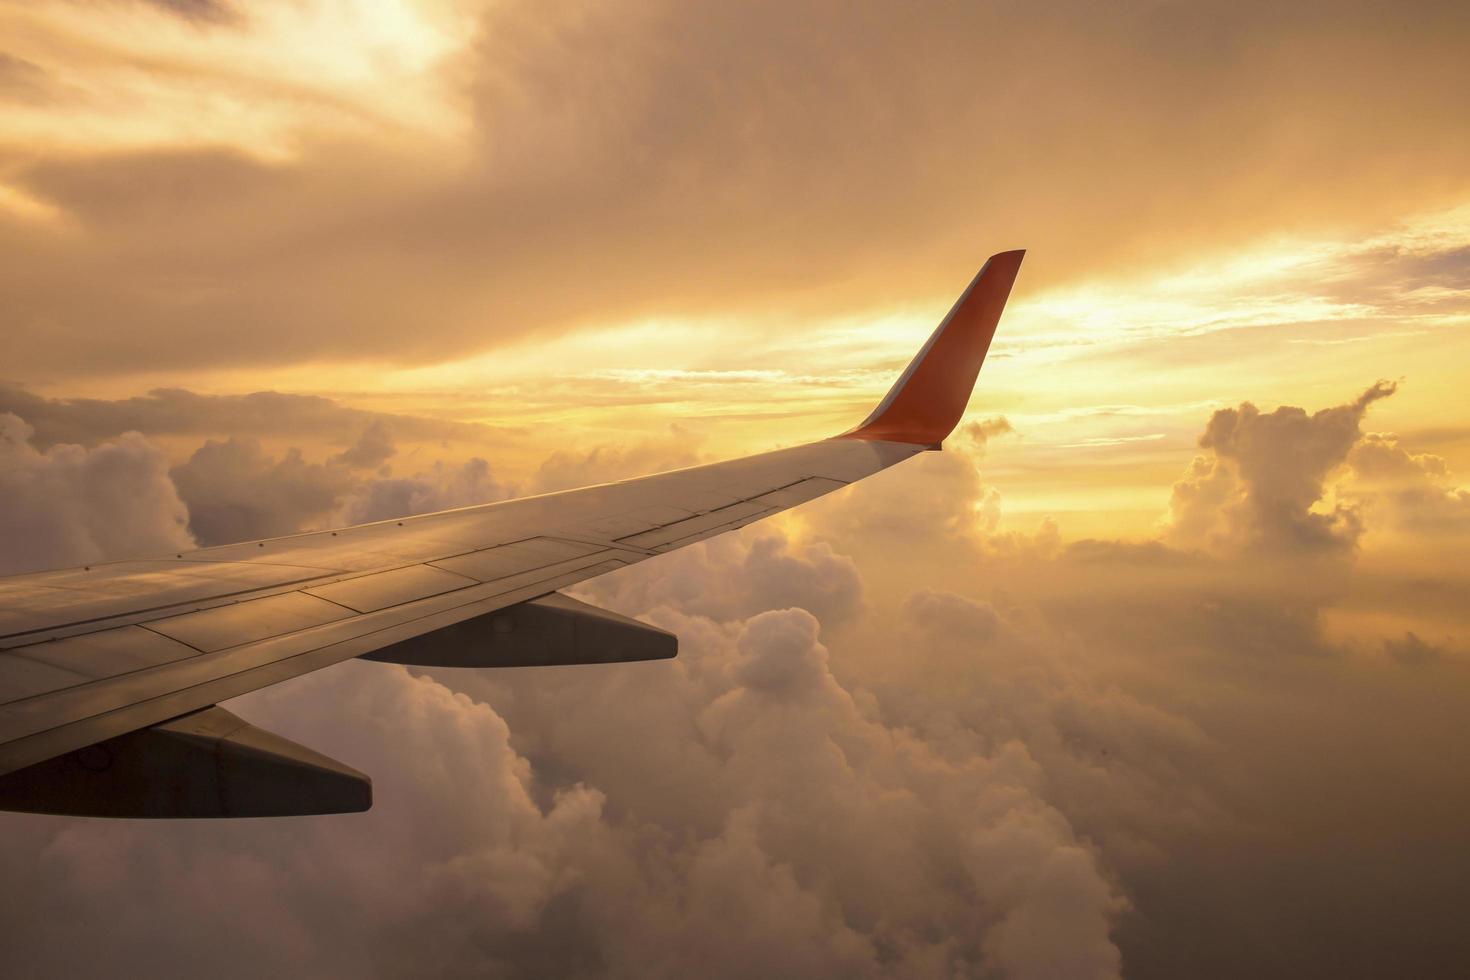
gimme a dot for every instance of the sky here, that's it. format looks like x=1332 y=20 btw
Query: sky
x=1159 y=670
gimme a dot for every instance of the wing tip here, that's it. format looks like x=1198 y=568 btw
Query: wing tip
x=927 y=401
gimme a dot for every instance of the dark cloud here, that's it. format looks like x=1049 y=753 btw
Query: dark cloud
x=980 y=433
x=371 y=450
x=1411 y=651
x=439 y=488
x=566 y=469
x=235 y=491
x=674 y=158
x=23 y=81
x=261 y=414
x=214 y=11
x=1266 y=474
x=1400 y=279
x=761 y=572
x=226 y=490
x=69 y=505
x=1406 y=491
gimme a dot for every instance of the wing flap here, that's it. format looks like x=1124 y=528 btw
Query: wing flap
x=35 y=603
x=631 y=522
x=382 y=590
x=108 y=652
x=517 y=557
x=734 y=515
x=799 y=493
x=245 y=622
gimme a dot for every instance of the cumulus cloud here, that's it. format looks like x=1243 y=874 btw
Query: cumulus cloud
x=979 y=433
x=70 y=505
x=235 y=491
x=1407 y=491
x=440 y=487
x=1078 y=760
x=1265 y=475
x=373 y=448
x=256 y=894
x=178 y=411
x=758 y=570
x=757 y=819
x=566 y=469
x=817 y=815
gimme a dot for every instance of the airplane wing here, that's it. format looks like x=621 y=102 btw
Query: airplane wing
x=111 y=674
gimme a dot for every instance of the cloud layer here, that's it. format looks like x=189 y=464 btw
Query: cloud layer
x=458 y=177
x=981 y=753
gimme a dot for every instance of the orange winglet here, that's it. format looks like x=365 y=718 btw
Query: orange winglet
x=926 y=402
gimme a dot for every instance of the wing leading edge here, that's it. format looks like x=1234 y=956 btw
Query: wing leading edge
x=90 y=658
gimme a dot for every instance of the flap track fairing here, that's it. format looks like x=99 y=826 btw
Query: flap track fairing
x=554 y=630
x=205 y=764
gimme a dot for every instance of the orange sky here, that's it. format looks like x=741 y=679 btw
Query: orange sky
x=441 y=213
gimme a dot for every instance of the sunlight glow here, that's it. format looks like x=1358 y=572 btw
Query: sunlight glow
x=131 y=76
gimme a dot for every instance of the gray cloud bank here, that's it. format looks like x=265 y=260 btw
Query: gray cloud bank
x=898 y=743
x=71 y=504
x=234 y=486
x=180 y=412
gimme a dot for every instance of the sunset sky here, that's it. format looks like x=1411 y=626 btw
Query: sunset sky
x=1161 y=669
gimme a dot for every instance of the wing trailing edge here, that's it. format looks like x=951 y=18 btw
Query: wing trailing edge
x=926 y=402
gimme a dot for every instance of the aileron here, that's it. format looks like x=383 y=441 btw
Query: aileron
x=107 y=653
